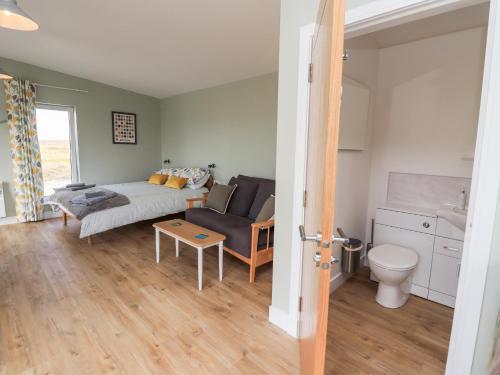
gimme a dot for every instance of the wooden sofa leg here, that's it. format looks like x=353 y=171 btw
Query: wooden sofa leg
x=65 y=218
x=252 y=272
x=89 y=240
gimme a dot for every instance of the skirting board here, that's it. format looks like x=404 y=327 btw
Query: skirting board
x=337 y=281
x=285 y=321
x=8 y=220
x=282 y=320
x=46 y=215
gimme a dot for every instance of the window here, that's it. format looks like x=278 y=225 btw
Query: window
x=58 y=145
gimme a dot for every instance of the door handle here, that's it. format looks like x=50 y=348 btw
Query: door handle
x=342 y=240
x=317 y=260
x=304 y=237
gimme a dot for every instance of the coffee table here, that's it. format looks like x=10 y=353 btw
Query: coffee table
x=193 y=235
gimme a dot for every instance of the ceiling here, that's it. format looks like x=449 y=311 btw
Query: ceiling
x=154 y=47
x=461 y=19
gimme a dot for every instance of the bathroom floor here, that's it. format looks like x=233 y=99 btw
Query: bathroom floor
x=366 y=338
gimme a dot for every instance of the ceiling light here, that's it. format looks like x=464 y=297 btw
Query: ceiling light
x=4 y=75
x=13 y=17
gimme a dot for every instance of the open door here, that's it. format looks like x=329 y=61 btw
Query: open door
x=324 y=115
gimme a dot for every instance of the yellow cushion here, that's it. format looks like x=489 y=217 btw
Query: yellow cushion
x=175 y=182
x=158 y=179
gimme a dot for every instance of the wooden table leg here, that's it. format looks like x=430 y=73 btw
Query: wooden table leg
x=157 y=238
x=65 y=218
x=176 y=248
x=221 y=259
x=200 y=268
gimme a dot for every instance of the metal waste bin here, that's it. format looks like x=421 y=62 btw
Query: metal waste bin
x=351 y=255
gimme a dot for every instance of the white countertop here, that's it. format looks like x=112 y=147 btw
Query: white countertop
x=409 y=209
x=456 y=217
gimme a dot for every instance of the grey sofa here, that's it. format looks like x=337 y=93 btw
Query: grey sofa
x=246 y=239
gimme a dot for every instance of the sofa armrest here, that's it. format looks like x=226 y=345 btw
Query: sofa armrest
x=263 y=224
x=256 y=227
x=191 y=201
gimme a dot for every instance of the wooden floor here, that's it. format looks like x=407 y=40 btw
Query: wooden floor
x=67 y=308
x=366 y=338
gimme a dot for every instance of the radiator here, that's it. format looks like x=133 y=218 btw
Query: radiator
x=2 y=201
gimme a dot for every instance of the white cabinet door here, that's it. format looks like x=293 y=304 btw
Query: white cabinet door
x=444 y=275
x=445 y=229
x=422 y=243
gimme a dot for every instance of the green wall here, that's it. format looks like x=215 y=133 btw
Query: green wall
x=233 y=126
x=100 y=161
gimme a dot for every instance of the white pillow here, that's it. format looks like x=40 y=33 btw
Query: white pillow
x=200 y=183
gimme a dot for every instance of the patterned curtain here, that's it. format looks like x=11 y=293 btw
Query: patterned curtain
x=24 y=148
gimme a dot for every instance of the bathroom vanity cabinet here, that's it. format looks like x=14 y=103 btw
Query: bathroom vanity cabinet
x=438 y=244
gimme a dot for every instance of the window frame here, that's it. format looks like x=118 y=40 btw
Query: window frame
x=73 y=136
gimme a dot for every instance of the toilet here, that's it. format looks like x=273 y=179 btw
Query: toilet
x=393 y=267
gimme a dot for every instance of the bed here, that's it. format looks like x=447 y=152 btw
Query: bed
x=147 y=201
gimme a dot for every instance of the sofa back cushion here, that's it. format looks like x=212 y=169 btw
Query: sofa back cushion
x=267 y=211
x=219 y=197
x=265 y=190
x=243 y=197
x=254 y=179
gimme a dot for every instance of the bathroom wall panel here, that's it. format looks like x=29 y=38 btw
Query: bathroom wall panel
x=427 y=104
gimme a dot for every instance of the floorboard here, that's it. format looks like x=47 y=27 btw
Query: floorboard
x=366 y=338
x=70 y=308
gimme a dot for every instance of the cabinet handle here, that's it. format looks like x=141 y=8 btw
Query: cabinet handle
x=426 y=225
x=458 y=269
x=451 y=248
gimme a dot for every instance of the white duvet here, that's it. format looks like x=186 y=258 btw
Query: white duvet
x=147 y=201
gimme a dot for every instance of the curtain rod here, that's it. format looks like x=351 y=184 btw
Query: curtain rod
x=60 y=88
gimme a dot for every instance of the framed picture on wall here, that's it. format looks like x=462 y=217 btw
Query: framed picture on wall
x=124 y=128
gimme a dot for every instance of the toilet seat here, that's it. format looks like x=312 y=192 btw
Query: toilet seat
x=393 y=257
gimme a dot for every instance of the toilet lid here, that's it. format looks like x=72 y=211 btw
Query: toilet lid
x=393 y=257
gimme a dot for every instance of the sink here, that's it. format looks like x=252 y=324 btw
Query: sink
x=454 y=216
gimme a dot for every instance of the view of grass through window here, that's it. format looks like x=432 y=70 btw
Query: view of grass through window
x=54 y=138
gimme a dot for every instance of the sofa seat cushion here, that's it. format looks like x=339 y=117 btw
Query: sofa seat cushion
x=243 y=197
x=237 y=229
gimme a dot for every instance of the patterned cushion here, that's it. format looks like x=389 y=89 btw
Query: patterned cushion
x=193 y=175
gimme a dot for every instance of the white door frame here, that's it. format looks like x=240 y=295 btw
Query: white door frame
x=381 y=14
x=481 y=219
x=303 y=91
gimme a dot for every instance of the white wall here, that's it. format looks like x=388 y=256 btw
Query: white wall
x=353 y=173
x=294 y=15
x=427 y=109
